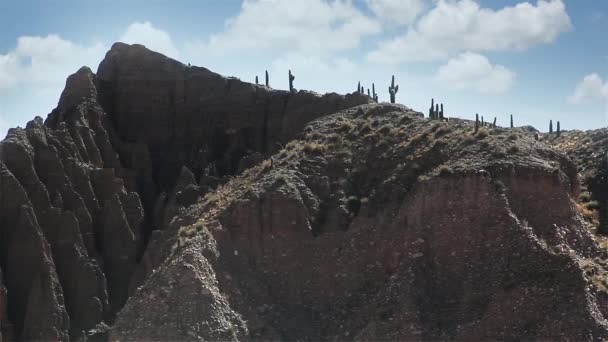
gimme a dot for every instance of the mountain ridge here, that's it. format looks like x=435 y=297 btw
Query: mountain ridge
x=163 y=201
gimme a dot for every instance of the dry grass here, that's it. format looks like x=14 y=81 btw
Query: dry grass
x=314 y=148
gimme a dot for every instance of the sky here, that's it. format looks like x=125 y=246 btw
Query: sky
x=538 y=60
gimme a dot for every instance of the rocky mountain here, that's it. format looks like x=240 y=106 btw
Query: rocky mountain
x=160 y=201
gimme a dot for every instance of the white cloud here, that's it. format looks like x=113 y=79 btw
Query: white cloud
x=456 y=26
x=33 y=73
x=591 y=89
x=43 y=63
x=313 y=27
x=471 y=71
x=153 y=38
x=396 y=12
x=3 y=126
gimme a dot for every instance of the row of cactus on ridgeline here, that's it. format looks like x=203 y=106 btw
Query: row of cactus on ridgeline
x=483 y=123
x=434 y=112
x=559 y=129
x=392 y=90
x=268 y=83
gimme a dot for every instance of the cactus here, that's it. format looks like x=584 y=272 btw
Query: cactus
x=256 y=80
x=436 y=115
x=374 y=95
x=483 y=124
x=291 y=78
x=368 y=94
x=358 y=87
x=393 y=89
x=550 y=126
x=267 y=83
x=441 y=113
x=432 y=109
x=494 y=123
x=511 y=120
x=558 y=129
x=362 y=90
x=476 y=122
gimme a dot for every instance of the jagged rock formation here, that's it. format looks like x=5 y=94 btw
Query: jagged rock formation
x=157 y=202
x=81 y=192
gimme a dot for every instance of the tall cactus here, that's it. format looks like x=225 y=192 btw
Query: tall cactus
x=436 y=115
x=550 y=126
x=374 y=95
x=432 y=109
x=362 y=90
x=368 y=94
x=393 y=89
x=558 y=129
x=476 y=122
x=483 y=124
x=511 y=120
x=494 y=123
x=267 y=82
x=441 y=113
x=291 y=78
x=358 y=87
x=256 y=79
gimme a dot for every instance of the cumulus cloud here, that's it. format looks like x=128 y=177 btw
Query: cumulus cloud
x=313 y=27
x=44 y=62
x=153 y=38
x=396 y=12
x=471 y=71
x=37 y=67
x=591 y=89
x=456 y=26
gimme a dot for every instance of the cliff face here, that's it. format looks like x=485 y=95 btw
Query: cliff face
x=165 y=202
x=81 y=193
x=377 y=224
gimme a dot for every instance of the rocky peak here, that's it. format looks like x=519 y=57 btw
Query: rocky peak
x=96 y=173
x=79 y=86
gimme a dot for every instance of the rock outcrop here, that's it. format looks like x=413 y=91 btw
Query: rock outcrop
x=376 y=224
x=81 y=192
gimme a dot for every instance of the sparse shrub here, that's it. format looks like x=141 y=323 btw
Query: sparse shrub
x=385 y=129
x=291 y=145
x=366 y=128
x=445 y=170
x=469 y=140
x=420 y=137
x=513 y=149
x=314 y=148
x=593 y=205
x=584 y=197
x=281 y=178
x=482 y=133
x=435 y=126
x=499 y=153
x=346 y=126
x=334 y=138
x=513 y=136
x=442 y=131
x=315 y=136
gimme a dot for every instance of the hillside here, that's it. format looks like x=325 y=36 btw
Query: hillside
x=160 y=201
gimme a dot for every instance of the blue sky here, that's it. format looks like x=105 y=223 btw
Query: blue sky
x=537 y=60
